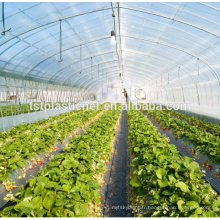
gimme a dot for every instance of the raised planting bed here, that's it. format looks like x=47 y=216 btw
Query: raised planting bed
x=69 y=185
x=163 y=182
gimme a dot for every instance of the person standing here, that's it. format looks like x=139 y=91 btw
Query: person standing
x=126 y=95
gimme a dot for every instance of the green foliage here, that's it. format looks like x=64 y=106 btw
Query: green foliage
x=15 y=153
x=67 y=185
x=202 y=124
x=204 y=142
x=170 y=184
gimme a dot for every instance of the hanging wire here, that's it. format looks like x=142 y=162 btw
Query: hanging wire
x=113 y=17
x=3 y=19
x=178 y=72
x=198 y=65
x=98 y=72
x=80 y=59
x=61 y=59
x=91 y=68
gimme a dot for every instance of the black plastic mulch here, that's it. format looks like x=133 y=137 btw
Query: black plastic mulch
x=115 y=193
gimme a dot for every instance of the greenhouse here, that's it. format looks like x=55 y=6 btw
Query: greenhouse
x=109 y=109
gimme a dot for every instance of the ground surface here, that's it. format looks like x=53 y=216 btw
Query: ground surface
x=117 y=189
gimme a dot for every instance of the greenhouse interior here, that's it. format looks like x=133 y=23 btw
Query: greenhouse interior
x=110 y=109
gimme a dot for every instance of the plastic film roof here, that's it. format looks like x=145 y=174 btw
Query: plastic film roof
x=163 y=45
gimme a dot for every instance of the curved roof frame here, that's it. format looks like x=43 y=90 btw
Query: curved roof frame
x=173 y=19
x=101 y=82
x=143 y=69
x=192 y=55
x=90 y=87
x=134 y=61
x=90 y=83
x=148 y=41
x=55 y=21
x=170 y=18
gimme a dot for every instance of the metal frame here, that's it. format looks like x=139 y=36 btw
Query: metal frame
x=140 y=74
x=132 y=9
x=170 y=18
x=137 y=39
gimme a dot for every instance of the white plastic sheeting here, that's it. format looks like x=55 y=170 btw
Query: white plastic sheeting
x=172 y=49
x=112 y=92
x=12 y=121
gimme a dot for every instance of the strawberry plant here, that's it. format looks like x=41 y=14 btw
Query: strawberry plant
x=17 y=109
x=69 y=186
x=14 y=154
x=14 y=132
x=204 y=142
x=171 y=185
x=204 y=125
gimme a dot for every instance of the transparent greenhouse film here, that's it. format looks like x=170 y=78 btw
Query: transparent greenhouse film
x=150 y=150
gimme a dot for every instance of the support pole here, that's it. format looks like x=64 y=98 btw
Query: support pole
x=3 y=19
x=61 y=59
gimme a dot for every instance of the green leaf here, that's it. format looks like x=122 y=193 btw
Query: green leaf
x=24 y=207
x=182 y=186
x=48 y=202
x=161 y=173
x=66 y=188
x=198 y=211
x=169 y=191
x=20 y=164
x=175 y=166
x=14 y=160
x=39 y=212
x=209 y=214
x=36 y=202
x=172 y=179
x=135 y=182
x=50 y=184
x=71 y=214
x=80 y=210
x=13 y=166
x=32 y=182
x=163 y=183
x=96 y=195
x=194 y=166
x=67 y=164
x=28 y=194
x=43 y=180
x=136 y=149
x=61 y=202
x=192 y=205
x=84 y=188
x=75 y=163
x=188 y=161
x=162 y=158
x=194 y=197
x=38 y=190
x=206 y=201
x=180 y=203
x=75 y=189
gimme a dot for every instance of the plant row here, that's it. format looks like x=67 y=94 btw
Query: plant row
x=206 y=126
x=162 y=182
x=12 y=133
x=14 y=154
x=69 y=186
x=203 y=142
x=17 y=109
